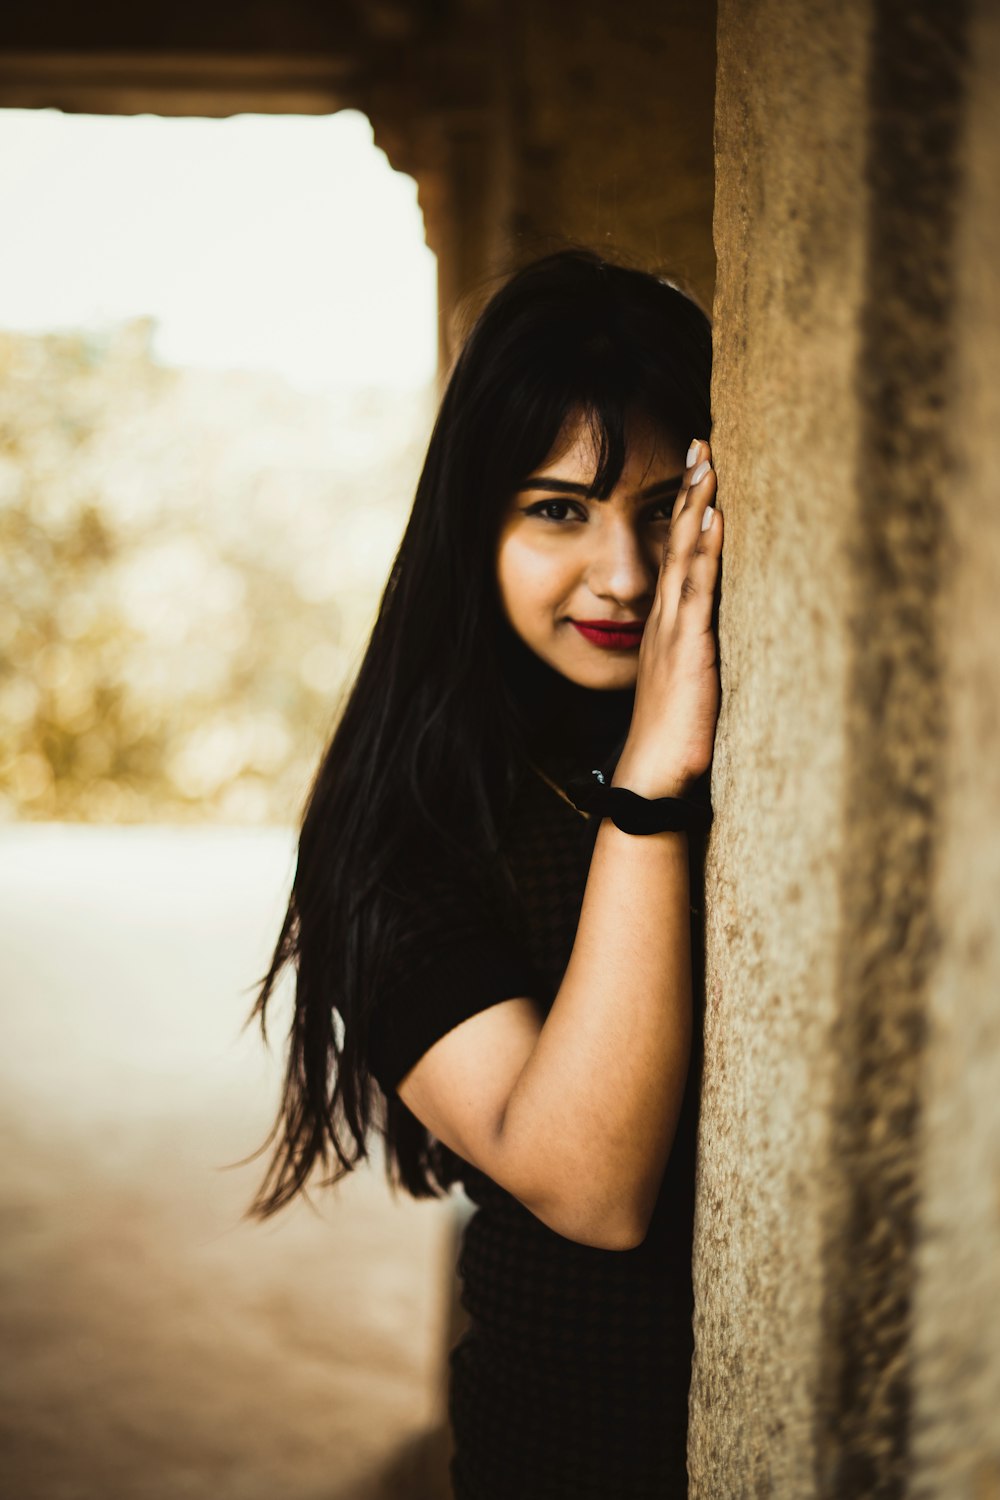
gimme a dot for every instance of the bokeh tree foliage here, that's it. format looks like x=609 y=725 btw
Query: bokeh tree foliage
x=189 y=564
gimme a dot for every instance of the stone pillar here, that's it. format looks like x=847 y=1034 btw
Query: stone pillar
x=848 y=1233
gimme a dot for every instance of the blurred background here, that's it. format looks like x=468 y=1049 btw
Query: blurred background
x=216 y=383
x=216 y=380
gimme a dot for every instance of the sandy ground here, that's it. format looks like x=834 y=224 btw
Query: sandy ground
x=155 y=1345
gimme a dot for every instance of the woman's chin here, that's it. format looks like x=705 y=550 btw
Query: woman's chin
x=608 y=675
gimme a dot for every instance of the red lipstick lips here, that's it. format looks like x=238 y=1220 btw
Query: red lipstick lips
x=613 y=635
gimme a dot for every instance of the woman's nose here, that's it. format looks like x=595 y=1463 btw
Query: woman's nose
x=621 y=566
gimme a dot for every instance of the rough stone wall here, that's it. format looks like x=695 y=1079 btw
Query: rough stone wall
x=956 y=1401
x=610 y=115
x=534 y=123
x=850 y=1136
x=789 y=285
x=596 y=128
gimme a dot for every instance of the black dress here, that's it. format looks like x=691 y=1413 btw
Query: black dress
x=572 y=1380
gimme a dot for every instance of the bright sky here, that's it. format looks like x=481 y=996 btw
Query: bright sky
x=273 y=242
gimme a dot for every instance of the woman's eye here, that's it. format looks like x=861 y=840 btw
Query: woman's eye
x=567 y=511
x=542 y=506
x=663 y=511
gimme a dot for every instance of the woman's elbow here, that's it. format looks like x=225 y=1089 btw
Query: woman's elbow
x=627 y=1237
x=604 y=1231
x=603 y=1211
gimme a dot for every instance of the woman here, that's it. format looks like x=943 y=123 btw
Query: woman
x=492 y=974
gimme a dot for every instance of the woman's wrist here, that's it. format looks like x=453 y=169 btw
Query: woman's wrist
x=651 y=785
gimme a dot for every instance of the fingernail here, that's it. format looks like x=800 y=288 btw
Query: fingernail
x=692 y=453
x=700 y=471
x=707 y=518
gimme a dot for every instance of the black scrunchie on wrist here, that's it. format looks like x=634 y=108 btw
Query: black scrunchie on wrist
x=632 y=813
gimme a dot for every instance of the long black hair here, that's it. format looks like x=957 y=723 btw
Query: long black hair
x=413 y=789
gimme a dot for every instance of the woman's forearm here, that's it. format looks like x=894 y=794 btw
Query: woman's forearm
x=591 y=1118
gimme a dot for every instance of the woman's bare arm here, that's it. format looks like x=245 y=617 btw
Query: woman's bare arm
x=607 y=1073
x=575 y=1114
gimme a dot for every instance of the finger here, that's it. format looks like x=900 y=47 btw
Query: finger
x=685 y=529
x=697 y=592
x=691 y=501
x=697 y=453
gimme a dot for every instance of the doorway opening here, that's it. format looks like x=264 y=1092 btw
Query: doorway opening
x=219 y=340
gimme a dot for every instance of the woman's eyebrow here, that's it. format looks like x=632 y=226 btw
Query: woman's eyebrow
x=568 y=487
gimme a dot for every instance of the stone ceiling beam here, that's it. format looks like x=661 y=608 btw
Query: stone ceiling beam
x=176 y=83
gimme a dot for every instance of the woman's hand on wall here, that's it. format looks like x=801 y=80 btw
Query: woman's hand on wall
x=672 y=734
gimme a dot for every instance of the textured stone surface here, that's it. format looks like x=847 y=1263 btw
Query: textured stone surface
x=957 y=1294
x=593 y=124
x=790 y=280
x=611 y=119
x=848 y=1209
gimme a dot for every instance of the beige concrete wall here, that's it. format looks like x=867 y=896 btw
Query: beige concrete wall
x=957 y=1296
x=601 y=133
x=611 y=120
x=848 y=1207
x=790 y=281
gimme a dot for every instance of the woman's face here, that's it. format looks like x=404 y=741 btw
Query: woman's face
x=566 y=561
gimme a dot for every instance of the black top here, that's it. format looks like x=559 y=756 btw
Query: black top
x=573 y=1378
